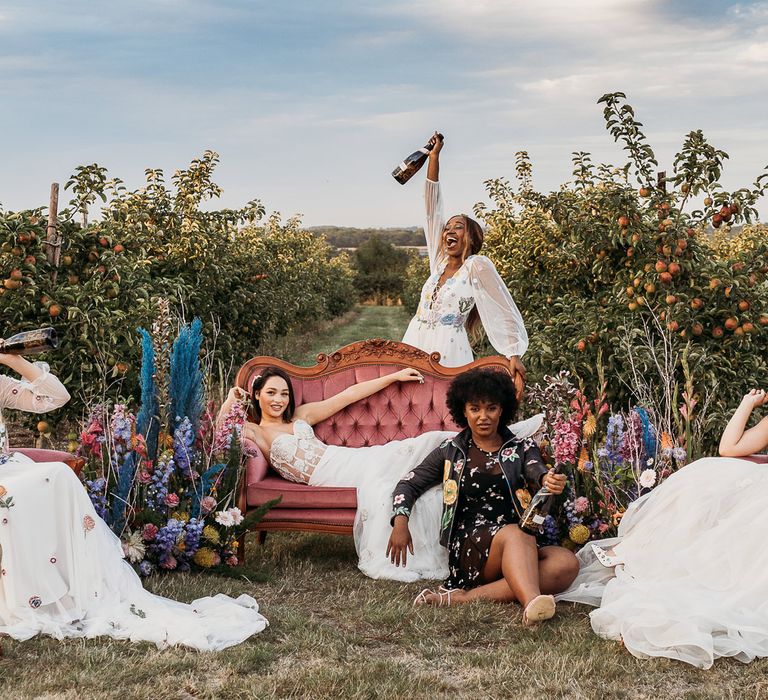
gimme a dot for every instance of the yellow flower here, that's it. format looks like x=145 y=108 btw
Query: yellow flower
x=450 y=492
x=617 y=516
x=583 y=459
x=206 y=557
x=235 y=544
x=180 y=515
x=3 y=490
x=211 y=534
x=524 y=496
x=666 y=441
x=579 y=534
x=590 y=425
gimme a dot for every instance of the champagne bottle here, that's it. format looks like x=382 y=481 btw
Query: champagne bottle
x=532 y=520
x=30 y=342
x=412 y=164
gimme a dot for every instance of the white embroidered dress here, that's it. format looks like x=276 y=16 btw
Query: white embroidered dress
x=687 y=577
x=440 y=321
x=62 y=571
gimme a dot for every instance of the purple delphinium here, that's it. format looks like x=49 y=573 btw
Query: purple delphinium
x=614 y=439
x=192 y=534
x=164 y=543
x=183 y=444
x=551 y=532
x=146 y=568
x=97 y=492
x=157 y=491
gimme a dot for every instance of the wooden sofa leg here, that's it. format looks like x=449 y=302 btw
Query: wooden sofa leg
x=262 y=536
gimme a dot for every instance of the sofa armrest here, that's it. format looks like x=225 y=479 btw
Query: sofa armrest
x=256 y=464
x=757 y=459
x=43 y=455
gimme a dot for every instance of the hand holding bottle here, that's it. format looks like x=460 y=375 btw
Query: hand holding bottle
x=554 y=482
x=435 y=145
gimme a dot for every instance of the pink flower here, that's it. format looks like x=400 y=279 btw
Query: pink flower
x=148 y=532
x=169 y=562
x=144 y=476
x=208 y=504
x=602 y=528
x=172 y=500
x=566 y=440
x=231 y=560
x=581 y=504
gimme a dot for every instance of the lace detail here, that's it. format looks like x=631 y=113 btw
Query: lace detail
x=296 y=455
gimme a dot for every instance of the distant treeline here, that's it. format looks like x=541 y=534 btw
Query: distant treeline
x=345 y=237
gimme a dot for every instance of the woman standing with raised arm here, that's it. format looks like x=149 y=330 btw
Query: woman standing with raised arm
x=464 y=289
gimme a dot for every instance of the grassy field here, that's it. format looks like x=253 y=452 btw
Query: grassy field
x=336 y=634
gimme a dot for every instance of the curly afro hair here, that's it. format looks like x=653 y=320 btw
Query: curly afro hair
x=486 y=385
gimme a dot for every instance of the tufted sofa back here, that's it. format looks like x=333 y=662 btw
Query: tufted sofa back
x=403 y=409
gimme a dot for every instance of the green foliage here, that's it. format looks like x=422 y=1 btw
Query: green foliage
x=416 y=273
x=601 y=269
x=347 y=237
x=380 y=270
x=247 y=280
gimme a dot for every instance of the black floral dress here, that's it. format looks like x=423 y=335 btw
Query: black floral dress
x=485 y=506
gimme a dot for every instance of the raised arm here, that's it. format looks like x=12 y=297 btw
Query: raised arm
x=318 y=411
x=40 y=391
x=433 y=201
x=737 y=442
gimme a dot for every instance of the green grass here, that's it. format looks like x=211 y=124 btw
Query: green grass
x=336 y=634
x=364 y=322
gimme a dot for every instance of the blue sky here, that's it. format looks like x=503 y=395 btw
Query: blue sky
x=310 y=104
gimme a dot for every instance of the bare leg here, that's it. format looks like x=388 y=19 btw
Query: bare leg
x=521 y=571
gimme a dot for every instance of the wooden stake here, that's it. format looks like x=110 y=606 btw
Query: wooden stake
x=52 y=238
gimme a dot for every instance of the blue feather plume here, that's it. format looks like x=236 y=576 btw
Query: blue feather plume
x=186 y=382
x=148 y=419
x=120 y=496
x=206 y=482
x=649 y=437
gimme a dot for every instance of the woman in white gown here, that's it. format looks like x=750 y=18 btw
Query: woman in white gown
x=62 y=571
x=284 y=433
x=463 y=289
x=687 y=576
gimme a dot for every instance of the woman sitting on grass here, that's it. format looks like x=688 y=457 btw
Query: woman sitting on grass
x=486 y=472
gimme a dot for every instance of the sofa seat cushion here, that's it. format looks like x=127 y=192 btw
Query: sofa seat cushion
x=286 y=517
x=299 y=495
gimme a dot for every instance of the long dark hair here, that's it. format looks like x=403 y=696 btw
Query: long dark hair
x=473 y=243
x=260 y=381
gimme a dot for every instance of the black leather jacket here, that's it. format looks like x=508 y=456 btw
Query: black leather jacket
x=521 y=464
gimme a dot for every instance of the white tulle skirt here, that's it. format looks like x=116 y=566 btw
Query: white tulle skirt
x=374 y=471
x=62 y=573
x=691 y=582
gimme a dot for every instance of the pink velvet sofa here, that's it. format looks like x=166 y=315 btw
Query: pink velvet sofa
x=42 y=455
x=401 y=410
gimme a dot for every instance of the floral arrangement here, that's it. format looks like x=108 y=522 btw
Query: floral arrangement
x=165 y=478
x=611 y=458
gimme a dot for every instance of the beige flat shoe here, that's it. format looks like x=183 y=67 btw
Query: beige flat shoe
x=542 y=607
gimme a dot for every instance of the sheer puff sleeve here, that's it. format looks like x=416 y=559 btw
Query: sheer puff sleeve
x=38 y=396
x=433 y=201
x=500 y=316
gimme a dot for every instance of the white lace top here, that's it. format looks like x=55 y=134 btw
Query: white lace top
x=295 y=455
